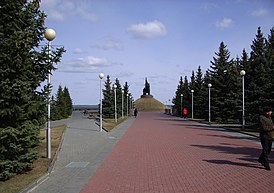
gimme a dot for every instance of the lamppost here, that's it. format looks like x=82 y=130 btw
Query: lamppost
x=122 y=103
x=130 y=103
x=49 y=35
x=242 y=73
x=209 y=113
x=192 y=91
x=115 y=107
x=182 y=105
x=101 y=76
x=127 y=104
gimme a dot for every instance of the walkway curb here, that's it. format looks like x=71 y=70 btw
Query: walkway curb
x=44 y=177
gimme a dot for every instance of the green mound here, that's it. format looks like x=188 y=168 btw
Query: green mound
x=149 y=104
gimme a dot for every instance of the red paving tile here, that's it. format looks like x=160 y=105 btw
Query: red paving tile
x=165 y=154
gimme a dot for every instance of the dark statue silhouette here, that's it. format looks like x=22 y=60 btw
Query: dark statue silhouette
x=146 y=90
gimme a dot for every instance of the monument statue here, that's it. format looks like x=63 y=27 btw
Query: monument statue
x=146 y=90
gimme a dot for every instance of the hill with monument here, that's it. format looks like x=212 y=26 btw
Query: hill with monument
x=147 y=102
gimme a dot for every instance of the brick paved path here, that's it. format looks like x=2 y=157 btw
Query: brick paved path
x=165 y=154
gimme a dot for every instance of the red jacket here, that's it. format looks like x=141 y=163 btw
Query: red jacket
x=185 y=111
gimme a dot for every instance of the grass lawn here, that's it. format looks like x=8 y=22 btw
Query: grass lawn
x=40 y=166
x=109 y=124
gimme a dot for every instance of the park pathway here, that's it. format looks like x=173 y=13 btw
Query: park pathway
x=82 y=151
x=164 y=154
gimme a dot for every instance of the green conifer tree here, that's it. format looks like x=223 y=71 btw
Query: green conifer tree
x=56 y=113
x=200 y=94
x=270 y=69
x=60 y=103
x=178 y=99
x=68 y=103
x=108 y=99
x=223 y=75
x=244 y=61
x=186 y=95
x=192 y=85
x=23 y=68
x=240 y=64
x=61 y=107
x=206 y=81
x=257 y=78
x=118 y=97
x=126 y=97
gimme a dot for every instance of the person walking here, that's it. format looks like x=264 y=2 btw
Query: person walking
x=184 y=113
x=135 y=112
x=266 y=136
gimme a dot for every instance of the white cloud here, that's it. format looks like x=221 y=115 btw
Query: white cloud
x=96 y=61
x=147 y=30
x=89 y=64
x=59 y=10
x=225 y=23
x=108 y=43
x=260 y=12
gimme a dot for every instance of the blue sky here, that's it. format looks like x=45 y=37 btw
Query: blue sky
x=158 y=39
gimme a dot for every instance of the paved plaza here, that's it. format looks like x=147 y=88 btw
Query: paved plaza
x=156 y=153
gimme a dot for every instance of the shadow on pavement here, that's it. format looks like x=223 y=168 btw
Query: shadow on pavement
x=227 y=162
x=248 y=154
x=232 y=137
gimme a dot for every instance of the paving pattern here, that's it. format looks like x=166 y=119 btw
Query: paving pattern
x=82 y=151
x=164 y=154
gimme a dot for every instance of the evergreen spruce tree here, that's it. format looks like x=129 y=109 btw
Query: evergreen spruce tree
x=257 y=78
x=233 y=102
x=108 y=99
x=67 y=103
x=200 y=95
x=192 y=88
x=270 y=69
x=177 y=99
x=240 y=64
x=243 y=61
x=60 y=103
x=54 y=112
x=126 y=98
x=206 y=81
x=23 y=67
x=192 y=81
x=186 y=95
x=57 y=104
x=223 y=76
x=61 y=107
x=118 y=97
